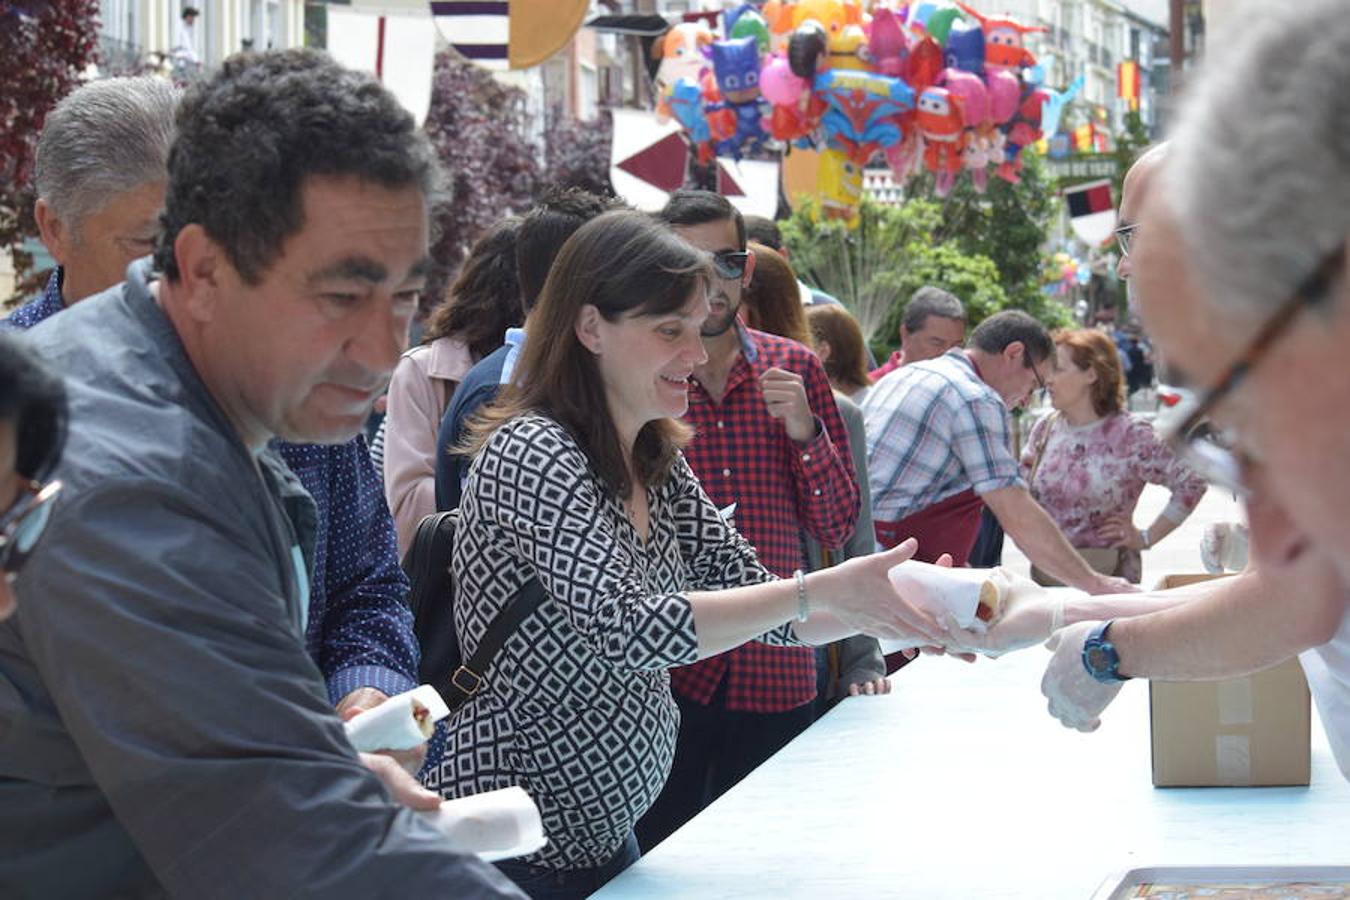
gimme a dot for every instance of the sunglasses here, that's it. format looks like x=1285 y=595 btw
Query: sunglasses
x=730 y=264
x=23 y=524
x=1213 y=452
x=1125 y=237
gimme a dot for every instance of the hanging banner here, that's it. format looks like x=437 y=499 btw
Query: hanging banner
x=398 y=49
x=1092 y=215
x=508 y=34
x=648 y=158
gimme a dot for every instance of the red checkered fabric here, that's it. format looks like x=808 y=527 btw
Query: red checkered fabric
x=742 y=455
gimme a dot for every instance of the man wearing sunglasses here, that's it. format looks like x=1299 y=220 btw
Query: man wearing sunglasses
x=32 y=433
x=770 y=447
x=1242 y=280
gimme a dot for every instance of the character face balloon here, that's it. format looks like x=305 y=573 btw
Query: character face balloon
x=736 y=67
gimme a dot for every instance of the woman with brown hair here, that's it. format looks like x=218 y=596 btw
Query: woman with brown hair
x=1087 y=463
x=579 y=482
x=839 y=344
x=482 y=303
x=772 y=301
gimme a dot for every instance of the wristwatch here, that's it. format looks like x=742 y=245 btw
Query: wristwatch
x=1100 y=657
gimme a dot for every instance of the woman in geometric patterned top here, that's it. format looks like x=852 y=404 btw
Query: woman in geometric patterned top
x=1087 y=463
x=579 y=481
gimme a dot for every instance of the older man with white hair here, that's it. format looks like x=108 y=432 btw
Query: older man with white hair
x=1239 y=266
x=99 y=174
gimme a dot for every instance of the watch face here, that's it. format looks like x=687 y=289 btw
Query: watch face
x=1098 y=660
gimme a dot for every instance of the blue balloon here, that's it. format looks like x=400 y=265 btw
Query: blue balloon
x=1084 y=274
x=965 y=47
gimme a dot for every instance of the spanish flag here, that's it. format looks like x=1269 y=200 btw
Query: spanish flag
x=1127 y=83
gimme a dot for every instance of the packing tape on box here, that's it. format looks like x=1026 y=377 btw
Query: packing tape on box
x=1235 y=701
x=1233 y=758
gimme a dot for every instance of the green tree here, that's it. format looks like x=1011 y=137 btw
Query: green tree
x=984 y=248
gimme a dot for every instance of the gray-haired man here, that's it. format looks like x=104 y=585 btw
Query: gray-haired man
x=100 y=185
x=1241 y=274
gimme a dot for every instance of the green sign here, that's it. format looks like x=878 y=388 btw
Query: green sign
x=1082 y=166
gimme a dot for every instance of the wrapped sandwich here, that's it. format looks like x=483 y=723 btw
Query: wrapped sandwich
x=494 y=824
x=968 y=596
x=400 y=723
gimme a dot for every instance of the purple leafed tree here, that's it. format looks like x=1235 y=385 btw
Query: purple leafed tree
x=44 y=47
x=480 y=130
x=577 y=153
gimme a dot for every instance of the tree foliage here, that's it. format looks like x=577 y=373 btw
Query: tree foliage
x=45 y=45
x=480 y=129
x=986 y=249
x=576 y=153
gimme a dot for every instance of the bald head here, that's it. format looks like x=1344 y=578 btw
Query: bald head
x=1138 y=181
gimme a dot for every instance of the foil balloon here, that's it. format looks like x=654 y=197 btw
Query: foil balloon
x=964 y=48
x=863 y=112
x=1003 y=40
x=746 y=21
x=974 y=98
x=839 y=180
x=886 y=44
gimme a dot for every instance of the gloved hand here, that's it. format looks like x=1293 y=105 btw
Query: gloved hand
x=1076 y=698
x=1223 y=548
x=1029 y=615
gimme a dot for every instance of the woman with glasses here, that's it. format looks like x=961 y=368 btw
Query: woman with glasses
x=1087 y=463
x=32 y=433
x=579 y=487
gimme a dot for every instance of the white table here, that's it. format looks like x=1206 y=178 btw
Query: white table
x=960 y=785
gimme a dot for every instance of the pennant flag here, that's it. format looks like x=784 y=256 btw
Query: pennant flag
x=398 y=49
x=1127 y=83
x=647 y=158
x=750 y=185
x=508 y=34
x=1091 y=212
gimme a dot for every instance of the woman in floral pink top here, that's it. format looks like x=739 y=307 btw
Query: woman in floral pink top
x=1087 y=463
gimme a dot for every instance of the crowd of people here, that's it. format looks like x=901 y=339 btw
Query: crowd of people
x=647 y=423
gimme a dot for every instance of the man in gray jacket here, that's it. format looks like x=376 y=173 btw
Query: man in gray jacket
x=162 y=730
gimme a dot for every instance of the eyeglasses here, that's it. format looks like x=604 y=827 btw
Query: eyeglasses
x=23 y=523
x=1212 y=452
x=1125 y=237
x=1040 y=382
x=730 y=264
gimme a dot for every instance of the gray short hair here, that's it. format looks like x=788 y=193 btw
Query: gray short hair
x=104 y=139
x=1259 y=173
x=931 y=301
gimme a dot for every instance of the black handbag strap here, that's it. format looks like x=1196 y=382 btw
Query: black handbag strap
x=469 y=678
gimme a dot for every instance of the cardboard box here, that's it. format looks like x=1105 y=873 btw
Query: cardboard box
x=1251 y=731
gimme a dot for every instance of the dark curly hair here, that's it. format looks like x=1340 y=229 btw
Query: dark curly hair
x=249 y=137
x=484 y=301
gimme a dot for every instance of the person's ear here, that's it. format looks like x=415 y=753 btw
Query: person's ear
x=588 y=329
x=55 y=234
x=1015 y=353
x=749 y=268
x=823 y=350
x=204 y=272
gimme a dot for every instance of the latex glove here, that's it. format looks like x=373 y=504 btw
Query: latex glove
x=868 y=688
x=1223 y=548
x=1075 y=697
x=1029 y=615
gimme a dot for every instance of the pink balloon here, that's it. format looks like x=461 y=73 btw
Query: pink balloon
x=778 y=85
x=1004 y=94
x=971 y=90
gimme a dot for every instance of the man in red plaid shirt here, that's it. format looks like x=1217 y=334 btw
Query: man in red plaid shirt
x=771 y=451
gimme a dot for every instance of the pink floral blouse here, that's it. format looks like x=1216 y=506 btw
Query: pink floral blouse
x=1090 y=472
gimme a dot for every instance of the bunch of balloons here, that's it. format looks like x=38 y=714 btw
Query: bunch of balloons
x=1062 y=272
x=932 y=85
